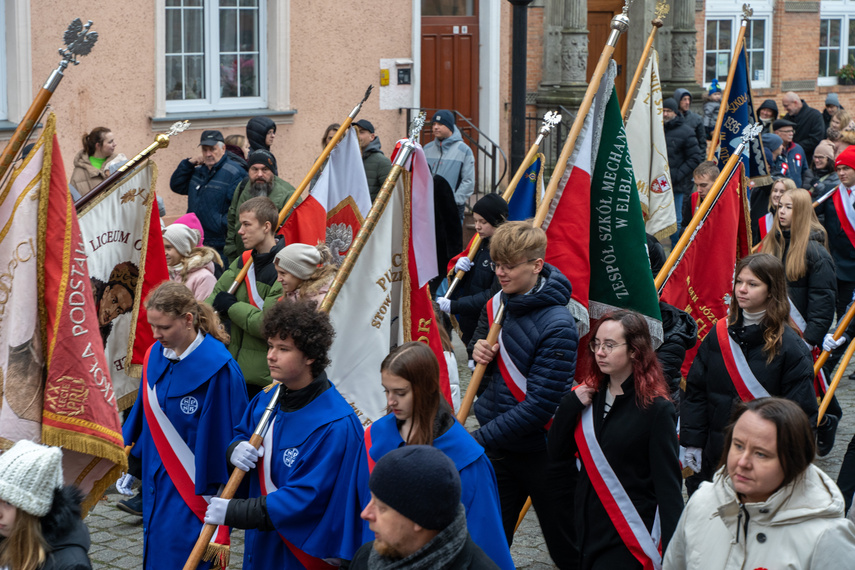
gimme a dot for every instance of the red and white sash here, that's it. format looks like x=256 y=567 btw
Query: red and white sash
x=820 y=382
x=177 y=457
x=765 y=224
x=845 y=212
x=643 y=544
x=255 y=299
x=266 y=481
x=747 y=385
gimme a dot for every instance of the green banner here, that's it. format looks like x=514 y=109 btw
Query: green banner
x=620 y=267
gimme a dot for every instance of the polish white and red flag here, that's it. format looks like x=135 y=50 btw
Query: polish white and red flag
x=337 y=205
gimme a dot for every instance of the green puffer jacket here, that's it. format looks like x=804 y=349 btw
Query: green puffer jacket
x=281 y=192
x=248 y=345
x=377 y=167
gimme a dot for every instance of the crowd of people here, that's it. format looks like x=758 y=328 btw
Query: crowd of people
x=593 y=430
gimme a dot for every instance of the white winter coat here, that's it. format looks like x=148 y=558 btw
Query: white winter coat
x=799 y=527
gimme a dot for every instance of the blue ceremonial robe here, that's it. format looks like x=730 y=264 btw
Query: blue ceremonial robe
x=480 y=495
x=204 y=397
x=314 y=451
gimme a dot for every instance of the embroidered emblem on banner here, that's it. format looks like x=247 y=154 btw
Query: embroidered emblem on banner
x=189 y=405
x=290 y=456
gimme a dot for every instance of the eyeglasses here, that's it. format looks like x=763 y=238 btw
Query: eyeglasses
x=505 y=267
x=607 y=346
x=785 y=131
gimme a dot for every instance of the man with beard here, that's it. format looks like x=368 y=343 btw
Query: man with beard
x=262 y=181
x=116 y=296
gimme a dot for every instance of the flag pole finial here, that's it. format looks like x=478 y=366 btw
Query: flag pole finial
x=750 y=132
x=662 y=9
x=550 y=119
x=417 y=126
x=747 y=11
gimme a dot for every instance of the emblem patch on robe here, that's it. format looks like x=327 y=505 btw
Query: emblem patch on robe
x=189 y=405
x=290 y=456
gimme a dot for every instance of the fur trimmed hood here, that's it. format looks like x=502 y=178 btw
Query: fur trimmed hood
x=65 y=532
x=199 y=258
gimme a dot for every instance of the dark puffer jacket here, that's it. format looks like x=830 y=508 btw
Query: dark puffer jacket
x=680 y=332
x=839 y=245
x=65 y=532
x=825 y=180
x=684 y=154
x=540 y=336
x=474 y=292
x=710 y=393
x=693 y=120
x=256 y=132
x=815 y=294
x=209 y=194
x=377 y=167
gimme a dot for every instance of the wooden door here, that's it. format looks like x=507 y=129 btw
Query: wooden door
x=450 y=59
x=600 y=13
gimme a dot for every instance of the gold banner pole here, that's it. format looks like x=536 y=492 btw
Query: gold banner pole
x=662 y=10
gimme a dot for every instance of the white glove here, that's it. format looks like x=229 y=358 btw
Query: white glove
x=245 y=456
x=471 y=365
x=124 y=484
x=216 y=513
x=693 y=458
x=444 y=304
x=463 y=264
x=829 y=344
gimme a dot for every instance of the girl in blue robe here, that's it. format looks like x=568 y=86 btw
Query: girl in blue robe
x=201 y=391
x=418 y=415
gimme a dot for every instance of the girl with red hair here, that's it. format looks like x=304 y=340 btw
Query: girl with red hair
x=621 y=425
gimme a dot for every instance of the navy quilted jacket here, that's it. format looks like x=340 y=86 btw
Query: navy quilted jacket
x=541 y=339
x=209 y=194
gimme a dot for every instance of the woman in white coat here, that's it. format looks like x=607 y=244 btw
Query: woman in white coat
x=767 y=506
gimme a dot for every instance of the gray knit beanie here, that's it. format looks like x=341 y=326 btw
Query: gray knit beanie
x=299 y=259
x=29 y=473
x=183 y=238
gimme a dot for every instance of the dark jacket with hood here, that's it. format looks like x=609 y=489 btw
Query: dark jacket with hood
x=692 y=119
x=710 y=393
x=815 y=294
x=825 y=180
x=474 y=292
x=377 y=167
x=256 y=133
x=540 y=337
x=65 y=532
x=684 y=154
x=810 y=128
x=680 y=333
x=771 y=105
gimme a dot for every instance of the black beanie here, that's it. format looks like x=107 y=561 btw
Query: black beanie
x=420 y=482
x=670 y=103
x=264 y=157
x=492 y=208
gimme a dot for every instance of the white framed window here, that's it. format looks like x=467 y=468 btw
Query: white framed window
x=723 y=20
x=836 y=38
x=215 y=55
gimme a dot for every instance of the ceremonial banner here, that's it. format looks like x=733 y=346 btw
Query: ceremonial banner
x=338 y=204
x=702 y=282
x=55 y=380
x=124 y=249
x=528 y=193
x=738 y=114
x=568 y=224
x=646 y=137
x=620 y=267
x=385 y=301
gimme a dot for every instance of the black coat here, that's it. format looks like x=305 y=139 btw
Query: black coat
x=474 y=292
x=65 y=532
x=684 y=154
x=815 y=294
x=680 y=333
x=810 y=129
x=710 y=394
x=842 y=251
x=470 y=557
x=824 y=181
x=641 y=446
x=448 y=231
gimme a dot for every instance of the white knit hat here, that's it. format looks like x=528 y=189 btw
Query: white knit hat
x=183 y=238
x=299 y=259
x=29 y=473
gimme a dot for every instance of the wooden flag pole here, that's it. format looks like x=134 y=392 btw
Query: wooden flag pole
x=725 y=96
x=749 y=133
x=377 y=209
x=662 y=10
x=620 y=24
x=838 y=332
x=289 y=205
x=234 y=482
x=841 y=369
x=550 y=119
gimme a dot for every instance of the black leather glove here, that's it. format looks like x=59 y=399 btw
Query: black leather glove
x=223 y=302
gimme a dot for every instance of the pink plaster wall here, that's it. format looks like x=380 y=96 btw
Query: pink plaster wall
x=335 y=52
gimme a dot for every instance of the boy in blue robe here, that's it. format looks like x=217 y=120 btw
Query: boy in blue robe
x=299 y=484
